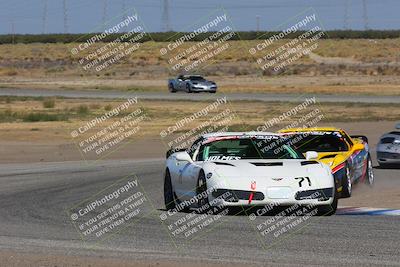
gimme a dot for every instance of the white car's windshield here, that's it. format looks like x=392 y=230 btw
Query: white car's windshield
x=247 y=148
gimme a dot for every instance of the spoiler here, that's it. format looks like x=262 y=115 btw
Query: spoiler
x=362 y=137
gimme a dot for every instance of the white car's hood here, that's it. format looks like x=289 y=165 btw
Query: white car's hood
x=265 y=168
x=239 y=174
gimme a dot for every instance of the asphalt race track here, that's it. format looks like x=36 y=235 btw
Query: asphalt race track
x=34 y=199
x=197 y=97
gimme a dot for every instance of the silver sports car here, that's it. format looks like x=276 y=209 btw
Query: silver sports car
x=388 y=149
x=191 y=83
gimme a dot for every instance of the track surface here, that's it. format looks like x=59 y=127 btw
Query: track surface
x=34 y=198
x=198 y=97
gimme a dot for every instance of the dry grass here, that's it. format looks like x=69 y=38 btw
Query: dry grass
x=163 y=114
x=342 y=66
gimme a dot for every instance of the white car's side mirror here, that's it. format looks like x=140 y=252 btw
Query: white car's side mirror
x=183 y=156
x=310 y=155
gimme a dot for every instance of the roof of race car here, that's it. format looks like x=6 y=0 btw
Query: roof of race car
x=250 y=134
x=315 y=129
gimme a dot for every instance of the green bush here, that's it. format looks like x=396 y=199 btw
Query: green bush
x=49 y=103
x=83 y=110
x=36 y=117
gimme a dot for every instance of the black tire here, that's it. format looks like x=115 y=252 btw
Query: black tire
x=213 y=92
x=328 y=210
x=347 y=184
x=384 y=165
x=188 y=89
x=169 y=198
x=369 y=174
x=201 y=189
x=171 y=88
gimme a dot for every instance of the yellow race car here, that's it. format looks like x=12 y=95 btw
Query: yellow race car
x=348 y=156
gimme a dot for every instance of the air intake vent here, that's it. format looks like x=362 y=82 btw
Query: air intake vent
x=309 y=162
x=267 y=163
x=223 y=163
x=329 y=156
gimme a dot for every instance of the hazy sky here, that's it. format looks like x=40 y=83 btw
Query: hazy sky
x=28 y=16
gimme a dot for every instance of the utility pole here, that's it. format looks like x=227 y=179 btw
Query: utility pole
x=13 y=31
x=346 y=15
x=44 y=18
x=104 y=19
x=166 y=26
x=365 y=15
x=124 y=13
x=258 y=22
x=65 y=16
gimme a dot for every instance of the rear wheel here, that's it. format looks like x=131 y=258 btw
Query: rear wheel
x=370 y=178
x=347 y=184
x=169 y=199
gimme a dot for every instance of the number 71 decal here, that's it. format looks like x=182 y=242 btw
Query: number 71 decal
x=302 y=180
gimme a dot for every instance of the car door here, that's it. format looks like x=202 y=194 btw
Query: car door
x=181 y=83
x=190 y=175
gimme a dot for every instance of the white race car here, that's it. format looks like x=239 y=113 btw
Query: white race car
x=247 y=169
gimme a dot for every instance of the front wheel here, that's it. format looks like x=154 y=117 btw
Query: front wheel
x=188 y=88
x=171 y=88
x=169 y=199
x=328 y=210
x=370 y=178
x=201 y=192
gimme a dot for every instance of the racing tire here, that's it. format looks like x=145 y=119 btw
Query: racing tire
x=369 y=174
x=169 y=198
x=328 y=210
x=171 y=88
x=188 y=89
x=347 y=184
x=201 y=189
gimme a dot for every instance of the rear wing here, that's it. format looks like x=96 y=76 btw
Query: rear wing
x=362 y=137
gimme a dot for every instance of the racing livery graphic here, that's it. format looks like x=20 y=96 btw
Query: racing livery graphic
x=348 y=156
